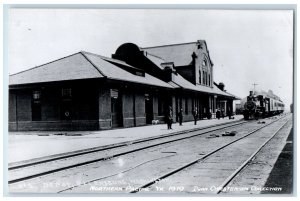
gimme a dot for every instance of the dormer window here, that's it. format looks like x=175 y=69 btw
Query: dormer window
x=138 y=73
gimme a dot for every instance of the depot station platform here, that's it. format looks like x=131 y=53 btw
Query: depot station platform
x=35 y=144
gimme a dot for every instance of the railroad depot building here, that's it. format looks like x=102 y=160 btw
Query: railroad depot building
x=85 y=91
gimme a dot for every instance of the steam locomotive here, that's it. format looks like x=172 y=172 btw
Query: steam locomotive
x=262 y=104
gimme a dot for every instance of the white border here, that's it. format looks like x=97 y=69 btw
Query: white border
x=128 y=2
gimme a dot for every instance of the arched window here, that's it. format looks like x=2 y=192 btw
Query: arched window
x=199 y=76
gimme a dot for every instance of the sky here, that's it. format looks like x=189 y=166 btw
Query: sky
x=246 y=46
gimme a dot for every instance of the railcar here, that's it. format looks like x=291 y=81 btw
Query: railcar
x=262 y=104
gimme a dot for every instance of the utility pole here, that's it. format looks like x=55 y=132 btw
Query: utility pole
x=254 y=84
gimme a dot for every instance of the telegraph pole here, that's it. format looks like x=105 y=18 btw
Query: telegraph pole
x=254 y=84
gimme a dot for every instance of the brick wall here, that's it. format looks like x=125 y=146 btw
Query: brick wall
x=24 y=105
x=85 y=109
x=54 y=125
x=91 y=107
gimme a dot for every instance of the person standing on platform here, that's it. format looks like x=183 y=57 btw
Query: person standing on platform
x=170 y=118
x=180 y=116
x=195 y=114
x=218 y=113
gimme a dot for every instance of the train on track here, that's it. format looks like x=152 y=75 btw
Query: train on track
x=262 y=104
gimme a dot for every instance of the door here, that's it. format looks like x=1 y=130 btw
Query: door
x=116 y=110
x=149 y=108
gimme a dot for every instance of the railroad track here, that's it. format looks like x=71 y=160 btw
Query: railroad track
x=142 y=145
x=241 y=167
x=143 y=163
x=16 y=171
x=220 y=188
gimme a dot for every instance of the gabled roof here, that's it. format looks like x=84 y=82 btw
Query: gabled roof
x=68 y=68
x=82 y=65
x=180 y=54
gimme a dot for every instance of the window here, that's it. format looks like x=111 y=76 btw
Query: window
x=36 y=106
x=204 y=78
x=199 y=76
x=204 y=63
x=36 y=95
x=209 y=80
x=114 y=93
x=66 y=93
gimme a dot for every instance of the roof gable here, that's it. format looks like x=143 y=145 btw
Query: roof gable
x=180 y=54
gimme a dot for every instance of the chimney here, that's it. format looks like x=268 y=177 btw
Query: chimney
x=221 y=86
x=168 y=71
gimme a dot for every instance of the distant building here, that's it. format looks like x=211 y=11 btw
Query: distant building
x=238 y=108
x=85 y=91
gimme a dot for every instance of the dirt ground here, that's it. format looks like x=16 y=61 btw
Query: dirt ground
x=282 y=173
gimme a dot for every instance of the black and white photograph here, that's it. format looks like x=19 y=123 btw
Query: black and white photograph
x=147 y=101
